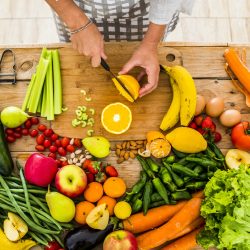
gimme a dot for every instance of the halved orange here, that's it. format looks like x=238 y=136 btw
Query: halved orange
x=116 y=118
x=131 y=84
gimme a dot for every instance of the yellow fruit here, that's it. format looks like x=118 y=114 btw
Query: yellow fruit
x=131 y=84
x=116 y=118
x=172 y=116
x=152 y=135
x=160 y=148
x=122 y=210
x=187 y=140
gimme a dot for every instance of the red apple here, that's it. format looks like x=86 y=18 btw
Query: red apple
x=120 y=240
x=40 y=170
x=71 y=180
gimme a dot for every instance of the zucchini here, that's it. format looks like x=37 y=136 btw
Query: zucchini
x=6 y=163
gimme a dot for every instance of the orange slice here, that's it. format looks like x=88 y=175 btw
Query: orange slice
x=160 y=148
x=116 y=118
x=131 y=84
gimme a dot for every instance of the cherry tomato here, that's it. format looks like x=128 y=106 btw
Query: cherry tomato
x=48 y=132
x=59 y=163
x=53 y=148
x=52 y=155
x=42 y=127
x=28 y=124
x=58 y=143
x=53 y=245
x=241 y=136
x=61 y=151
x=192 y=125
x=10 y=138
x=77 y=142
x=25 y=131
x=54 y=137
x=17 y=135
x=9 y=131
x=40 y=148
x=46 y=143
x=70 y=148
x=34 y=120
x=65 y=142
x=40 y=139
x=64 y=163
x=33 y=132
x=18 y=130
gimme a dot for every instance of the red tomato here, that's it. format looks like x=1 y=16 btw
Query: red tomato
x=40 y=148
x=34 y=120
x=70 y=148
x=33 y=133
x=53 y=149
x=77 y=142
x=52 y=155
x=17 y=135
x=42 y=127
x=65 y=142
x=9 y=131
x=54 y=137
x=10 y=138
x=18 y=129
x=48 y=132
x=27 y=124
x=46 y=143
x=25 y=131
x=241 y=136
x=40 y=139
x=61 y=151
x=58 y=143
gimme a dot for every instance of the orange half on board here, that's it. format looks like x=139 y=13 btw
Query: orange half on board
x=116 y=118
x=131 y=84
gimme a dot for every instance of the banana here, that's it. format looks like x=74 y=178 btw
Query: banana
x=172 y=115
x=187 y=92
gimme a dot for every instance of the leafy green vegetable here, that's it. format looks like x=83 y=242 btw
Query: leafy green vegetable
x=226 y=209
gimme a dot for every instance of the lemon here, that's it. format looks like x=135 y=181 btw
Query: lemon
x=122 y=210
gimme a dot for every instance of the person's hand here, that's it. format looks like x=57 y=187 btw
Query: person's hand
x=146 y=57
x=89 y=42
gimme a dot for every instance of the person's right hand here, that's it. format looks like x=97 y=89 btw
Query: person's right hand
x=89 y=42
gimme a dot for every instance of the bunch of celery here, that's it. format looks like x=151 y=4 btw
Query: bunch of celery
x=44 y=93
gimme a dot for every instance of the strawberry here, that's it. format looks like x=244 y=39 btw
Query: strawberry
x=207 y=123
x=93 y=166
x=201 y=131
x=100 y=177
x=111 y=171
x=198 y=120
x=90 y=177
x=192 y=125
x=213 y=127
x=217 y=137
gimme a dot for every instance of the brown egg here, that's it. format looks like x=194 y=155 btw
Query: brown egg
x=200 y=104
x=230 y=117
x=215 y=107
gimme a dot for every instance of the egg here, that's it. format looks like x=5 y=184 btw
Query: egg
x=230 y=117
x=200 y=104
x=215 y=107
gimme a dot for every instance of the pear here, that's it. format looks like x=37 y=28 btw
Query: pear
x=98 y=218
x=60 y=206
x=235 y=157
x=13 y=117
x=98 y=146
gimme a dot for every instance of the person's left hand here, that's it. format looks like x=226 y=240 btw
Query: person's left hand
x=146 y=57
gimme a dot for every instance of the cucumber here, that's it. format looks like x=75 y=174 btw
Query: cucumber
x=6 y=163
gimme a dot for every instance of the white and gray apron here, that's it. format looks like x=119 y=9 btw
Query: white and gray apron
x=122 y=20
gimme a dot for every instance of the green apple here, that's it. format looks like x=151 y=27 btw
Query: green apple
x=235 y=157
x=98 y=146
x=71 y=180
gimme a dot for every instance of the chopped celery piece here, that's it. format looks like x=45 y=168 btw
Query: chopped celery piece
x=64 y=109
x=83 y=91
x=84 y=124
x=90 y=132
x=92 y=111
x=84 y=117
x=78 y=112
x=88 y=99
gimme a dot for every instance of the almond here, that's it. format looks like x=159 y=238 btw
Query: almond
x=128 y=145
x=139 y=142
x=133 y=143
x=122 y=153
x=131 y=155
x=134 y=151
x=126 y=156
x=118 y=152
x=140 y=146
x=119 y=146
x=134 y=147
x=120 y=160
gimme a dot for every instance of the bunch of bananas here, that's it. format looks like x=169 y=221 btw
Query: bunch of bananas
x=184 y=97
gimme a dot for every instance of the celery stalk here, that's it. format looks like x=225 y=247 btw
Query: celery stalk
x=28 y=93
x=44 y=101
x=39 y=107
x=57 y=83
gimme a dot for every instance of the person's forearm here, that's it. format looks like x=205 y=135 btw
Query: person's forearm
x=154 y=34
x=69 y=12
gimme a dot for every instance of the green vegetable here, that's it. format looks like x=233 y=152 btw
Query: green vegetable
x=194 y=185
x=140 y=184
x=137 y=205
x=155 y=197
x=153 y=165
x=178 y=153
x=226 y=210
x=160 y=188
x=136 y=197
x=179 y=169
x=181 y=195
x=145 y=166
x=166 y=178
x=176 y=178
x=169 y=159
x=147 y=196
x=203 y=162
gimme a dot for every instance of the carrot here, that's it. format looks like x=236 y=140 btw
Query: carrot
x=237 y=66
x=155 y=217
x=199 y=194
x=186 y=242
x=154 y=238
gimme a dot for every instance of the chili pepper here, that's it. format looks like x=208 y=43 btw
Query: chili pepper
x=187 y=179
x=147 y=197
x=161 y=203
x=203 y=176
x=161 y=189
x=137 y=205
x=153 y=165
x=210 y=174
x=183 y=161
x=178 y=153
x=198 y=169
x=145 y=166
x=176 y=179
x=166 y=178
x=210 y=153
x=139 y=185
x=181 y=195
x=193 y=185
x=155 y=197
x=170 y=159
x=203 y=162
x=136 y=197
x=128 y=197
x=218 y=153
x=179 y=169
x=191 y=165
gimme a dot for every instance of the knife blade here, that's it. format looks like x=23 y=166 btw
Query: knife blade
x=107 y=68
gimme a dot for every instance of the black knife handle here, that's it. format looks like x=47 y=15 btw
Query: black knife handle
x=105 y=65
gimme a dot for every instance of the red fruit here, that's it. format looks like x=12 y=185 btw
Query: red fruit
x=54 y=137
x=52 y=155
x=33 y=133
x=70 y=148
x=111 y=171
x=42 y=127
x=217 y=137
x=65 y=142
x=34 y=120
x=198 y=120
x=53 y=148
x=61 y=151
x=64 y=163
x=18 y=130
x=90 y=177
x=46 y=143
x=10 y=138
x=28 y=124
x=58 y=143
x=93 y=166
x=17 y=135
x=53 y=245
x=59 y=163
x=40 y=139
x=241 y=136
x=207 y=123
x=48 y=132
x=25 y=131
x=201 y=131
x=213 y=127
x=40 y=148
x=100 y=177
x=192 y=125
x=77 y=142
x=9 y=131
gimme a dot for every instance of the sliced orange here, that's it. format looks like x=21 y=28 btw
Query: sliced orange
x=131 y=84
x=116 y=118
x=152 y=135
x=160 y=148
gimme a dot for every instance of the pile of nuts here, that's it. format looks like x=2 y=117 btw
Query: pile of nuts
x=129 y=149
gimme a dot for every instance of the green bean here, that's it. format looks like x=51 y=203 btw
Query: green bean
x=37 y=201
x=191 y=165
x=145 y=166
x=161 y=203
x=210 y=153
x=128 y=197
x=20 y=212
x=26 y=196
x=179 y=169
x=182 y=161
x=198 y=169
x=58 y=239
x=38 y=239
x=147 y=196
x=161 y=189
x=20 y=190
x=139 y=185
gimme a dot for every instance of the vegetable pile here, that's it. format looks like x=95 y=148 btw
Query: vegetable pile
x=226 y=210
